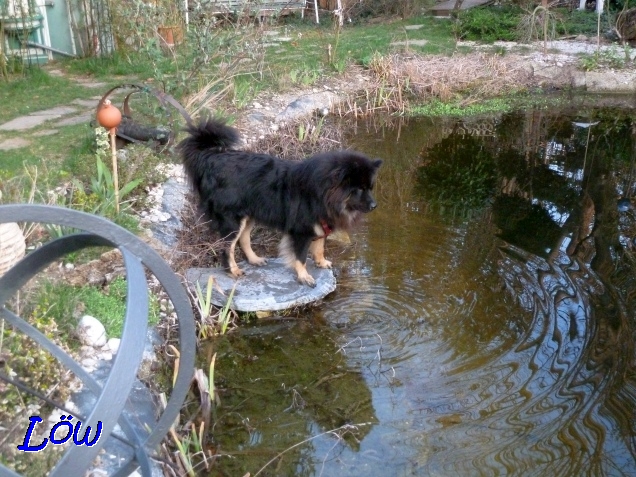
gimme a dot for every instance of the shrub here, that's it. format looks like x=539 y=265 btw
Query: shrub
x=488 y=24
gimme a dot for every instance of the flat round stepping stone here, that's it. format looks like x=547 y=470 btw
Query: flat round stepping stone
x=272 y=287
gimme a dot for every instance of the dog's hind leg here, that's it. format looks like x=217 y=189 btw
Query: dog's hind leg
x=294 y=251
x=229 y=261
x=317 y=252
x=246 y=244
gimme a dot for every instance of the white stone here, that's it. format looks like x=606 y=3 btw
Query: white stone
x=105 y=356
x=113 y=345
x=88 y=363
x=91 y=332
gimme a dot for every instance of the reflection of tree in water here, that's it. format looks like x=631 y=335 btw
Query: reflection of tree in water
x=569 y=380
x=458 y=172
x=281 y=385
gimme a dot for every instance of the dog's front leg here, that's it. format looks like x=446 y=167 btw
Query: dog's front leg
x=294 y=251
x=317 y=251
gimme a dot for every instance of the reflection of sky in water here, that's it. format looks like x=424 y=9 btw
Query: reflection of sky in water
x=558 y=216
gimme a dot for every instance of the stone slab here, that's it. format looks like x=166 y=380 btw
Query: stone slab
x=272 y=287
x=410 y=43
x=87 y=103
x=306 y=105
x=14 y=143
x=36 y=118
x=45 y=132
x=75 y=120
x=610 y=81
x=173 y=199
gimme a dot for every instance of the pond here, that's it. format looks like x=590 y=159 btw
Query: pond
x=484 y=318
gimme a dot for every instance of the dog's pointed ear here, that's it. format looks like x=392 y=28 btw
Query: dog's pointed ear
x=377 y=163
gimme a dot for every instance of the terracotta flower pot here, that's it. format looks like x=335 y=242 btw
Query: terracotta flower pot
x=170 y=35
x=12 y=245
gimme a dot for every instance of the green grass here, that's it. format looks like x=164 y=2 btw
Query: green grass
x=118 y=65
x=308 y=52
x=108 y=305
x=36 y=91
x=58 y=157
x=487 y=106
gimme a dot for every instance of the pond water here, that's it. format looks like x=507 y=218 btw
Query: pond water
x=483 y=322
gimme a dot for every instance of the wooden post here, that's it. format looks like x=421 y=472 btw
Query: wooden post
x=113 y=151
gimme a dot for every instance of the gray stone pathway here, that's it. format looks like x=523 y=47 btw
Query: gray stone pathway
x=80 y=111
x=37 y=118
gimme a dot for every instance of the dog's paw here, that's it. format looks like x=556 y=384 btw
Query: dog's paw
x=323 y=263
x=258 y=261
x=307 y=279
x=236 y=272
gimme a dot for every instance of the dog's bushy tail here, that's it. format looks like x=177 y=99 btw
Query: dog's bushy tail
x=210 y=134
x=205 y=140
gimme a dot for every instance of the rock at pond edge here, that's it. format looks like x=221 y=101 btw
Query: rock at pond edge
x=272 y=287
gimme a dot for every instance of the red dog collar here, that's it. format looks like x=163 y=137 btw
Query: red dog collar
x=325 y=228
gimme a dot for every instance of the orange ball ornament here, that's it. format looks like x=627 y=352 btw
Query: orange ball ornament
x=108 y=116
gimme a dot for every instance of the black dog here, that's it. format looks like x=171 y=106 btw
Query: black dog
x=305 y=200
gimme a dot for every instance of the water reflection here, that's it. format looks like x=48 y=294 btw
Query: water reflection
x=533 y=388
x=484 y=320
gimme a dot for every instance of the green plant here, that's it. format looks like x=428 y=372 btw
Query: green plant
x=103 y=188
x=225 y=314
x=204 y=306
x=204 y=300
x=578 y=22
x=63 y=301
x=24 y=361
x=245 y=89
x=189 y=446
x=310 y=132
x=487 y=24
x=305 y=75
x=611 y=58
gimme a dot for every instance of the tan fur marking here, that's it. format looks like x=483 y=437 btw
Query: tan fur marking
x=246 y=245
x=234 y=269
x=303 y=275
x=286 y=252
x=317 y=252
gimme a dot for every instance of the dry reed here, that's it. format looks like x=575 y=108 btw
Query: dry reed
x=399 y=78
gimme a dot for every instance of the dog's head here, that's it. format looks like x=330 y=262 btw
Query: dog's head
x=353 y=177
